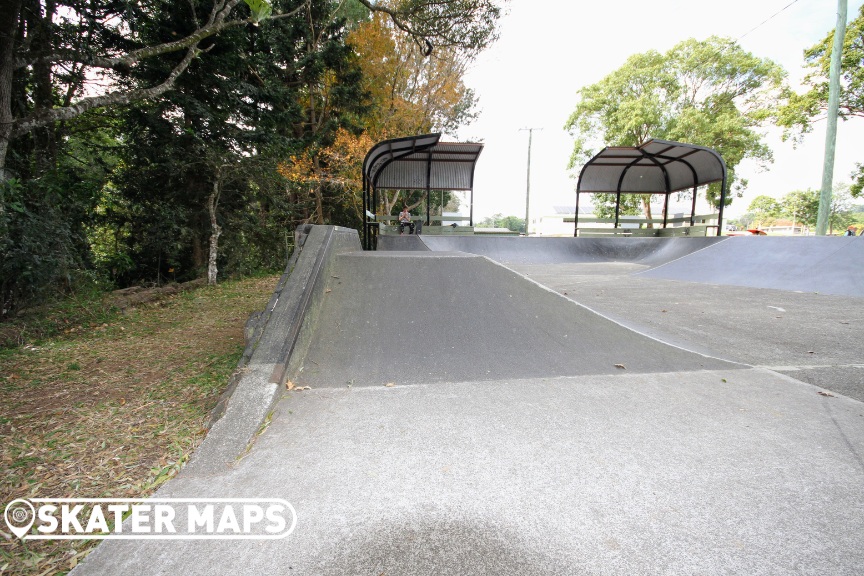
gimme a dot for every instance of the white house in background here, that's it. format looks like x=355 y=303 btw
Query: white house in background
x=559 y=223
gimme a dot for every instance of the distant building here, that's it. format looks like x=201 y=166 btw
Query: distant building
x=560 y=223
x=786 y=228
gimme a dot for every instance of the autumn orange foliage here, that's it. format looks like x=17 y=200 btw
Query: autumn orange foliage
x=408 y=93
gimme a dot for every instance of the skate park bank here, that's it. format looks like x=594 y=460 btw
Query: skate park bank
x=543 y=406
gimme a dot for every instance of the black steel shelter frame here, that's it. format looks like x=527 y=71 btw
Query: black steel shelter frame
x=419 y=162
x=655 y=167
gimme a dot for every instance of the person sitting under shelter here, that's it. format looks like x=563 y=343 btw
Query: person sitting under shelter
x=405 y=220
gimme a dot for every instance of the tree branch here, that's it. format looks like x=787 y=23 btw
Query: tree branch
x=45 y=117
x=216 y=23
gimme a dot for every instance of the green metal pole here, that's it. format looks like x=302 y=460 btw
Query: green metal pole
x=831 y=128
x=528 y=184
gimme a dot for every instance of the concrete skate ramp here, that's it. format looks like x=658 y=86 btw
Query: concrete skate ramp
x=828 y=265
x=402 y=243
x=412 y=317
x=534 y=250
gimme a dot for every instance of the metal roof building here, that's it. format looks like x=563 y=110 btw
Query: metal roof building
x=655 y=167
x=420 y=162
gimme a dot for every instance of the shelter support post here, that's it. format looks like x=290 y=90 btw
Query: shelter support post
x=576 y=217
x=428 y=190
x=374 y=210
x=722 y=204
x=693 y=208
x=666 y=211
x=365 y=216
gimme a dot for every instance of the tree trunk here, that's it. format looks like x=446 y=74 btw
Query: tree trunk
x=646 y=208
x=388 y=203
x=216 y=230
x=44 y=137
x=8 y=27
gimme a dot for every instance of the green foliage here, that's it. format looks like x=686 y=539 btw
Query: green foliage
x=604 y=205
x=802 y=110
x=857 y=186
x=260 y=94
x=840 y=215
x=467 y=25
x=118 y=195
x=710 y=93
x=801 y=206
x=513 y=223
x=43 y=221
x=765 y=209
x=261 y=9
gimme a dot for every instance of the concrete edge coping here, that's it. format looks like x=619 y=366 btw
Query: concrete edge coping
x=258 y=383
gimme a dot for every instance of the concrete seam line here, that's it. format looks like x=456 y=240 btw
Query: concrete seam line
x=816 y=387
x=628 y=328
x=650 y=268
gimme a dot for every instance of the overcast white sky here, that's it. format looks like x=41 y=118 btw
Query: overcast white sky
x=549 y=49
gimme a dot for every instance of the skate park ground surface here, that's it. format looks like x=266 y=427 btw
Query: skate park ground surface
x=482 y=405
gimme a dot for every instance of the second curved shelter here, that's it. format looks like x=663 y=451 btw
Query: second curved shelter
x=655 y=167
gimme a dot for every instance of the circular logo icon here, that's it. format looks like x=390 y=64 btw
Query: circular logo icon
x=19 y=516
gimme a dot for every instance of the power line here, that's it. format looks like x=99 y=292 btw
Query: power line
x=767 y=20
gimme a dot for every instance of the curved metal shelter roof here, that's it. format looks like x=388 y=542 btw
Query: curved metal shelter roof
x=421 y=163
x=656 y=167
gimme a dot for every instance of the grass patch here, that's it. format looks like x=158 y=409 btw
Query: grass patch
x=115 y=407
x=72 y=315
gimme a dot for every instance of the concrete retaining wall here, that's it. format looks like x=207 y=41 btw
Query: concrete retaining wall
x=277 y=340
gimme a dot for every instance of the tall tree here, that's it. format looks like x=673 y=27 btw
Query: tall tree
x=408 y=91
x=710 y=93
x=260 y=93
x=411 y=92
x=765 y=210
x=802 y=111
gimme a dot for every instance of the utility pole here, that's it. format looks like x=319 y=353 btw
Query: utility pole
x=831 y=129
x=528 y=184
